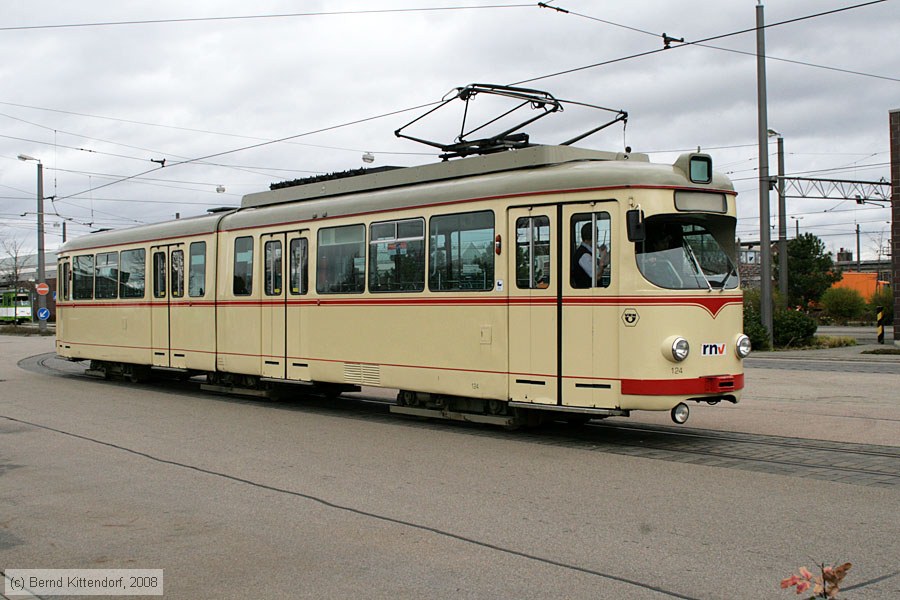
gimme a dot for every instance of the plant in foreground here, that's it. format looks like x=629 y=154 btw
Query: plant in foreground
x=825 y=586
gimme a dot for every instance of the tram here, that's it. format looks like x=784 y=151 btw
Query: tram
x=538 y=282
x=15 y=306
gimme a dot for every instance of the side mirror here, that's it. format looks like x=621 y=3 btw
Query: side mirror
x=634 y=220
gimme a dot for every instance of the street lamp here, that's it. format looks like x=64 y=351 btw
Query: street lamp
x=41 y=276
x=797 y=224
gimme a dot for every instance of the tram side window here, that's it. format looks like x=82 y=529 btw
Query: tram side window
x=159 y=274
x=197 y=270
x=242 y=284
x=462 y=252
x=273 y=268
x=299 y=266
x=591 y=237
x=177 y=282
x=66 y=285
x=83 y=279
x=132 y=268
x=106 y=281
x=397 y=256
x=533 y=252
x=341 y=260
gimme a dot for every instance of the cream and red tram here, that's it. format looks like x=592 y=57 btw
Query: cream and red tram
x=454 y=283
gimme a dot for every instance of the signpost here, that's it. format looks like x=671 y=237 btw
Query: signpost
x=43 y=312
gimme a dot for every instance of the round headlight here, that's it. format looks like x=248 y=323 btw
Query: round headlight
x=680 y=413
x=743 y=346
x=680 y=349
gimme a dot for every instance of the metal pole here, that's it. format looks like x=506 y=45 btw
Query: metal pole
x=782 y=225
x=858 y=257
x=765 y=244
x=41 y=275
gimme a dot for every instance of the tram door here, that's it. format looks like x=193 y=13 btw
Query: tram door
x=297 y=286
x=167 y=268
x=273 y=307
x=64 y=294
x=285 y=264
x=591 y=311
x=533 y=291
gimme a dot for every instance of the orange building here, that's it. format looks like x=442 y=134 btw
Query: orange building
x=864 y=283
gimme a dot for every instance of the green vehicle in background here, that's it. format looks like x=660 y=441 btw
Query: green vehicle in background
x=15 y=306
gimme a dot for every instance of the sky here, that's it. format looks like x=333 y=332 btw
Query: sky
x=235 y=96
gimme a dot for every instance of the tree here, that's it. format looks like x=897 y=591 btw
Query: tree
x=811 y=270
x=14 y=262
x=12 y=266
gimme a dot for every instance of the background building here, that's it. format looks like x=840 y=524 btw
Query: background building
x=26 y=267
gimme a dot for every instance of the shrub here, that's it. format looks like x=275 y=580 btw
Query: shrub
x=789 y=328
x=753 y=327
x=751 y=300
x=843 y=304
x=792 y=328
x=884 y=297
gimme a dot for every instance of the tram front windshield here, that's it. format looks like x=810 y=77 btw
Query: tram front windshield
x=688 y=252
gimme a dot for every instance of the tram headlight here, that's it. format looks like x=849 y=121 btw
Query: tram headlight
x=743 y=346
x=676 y=348
x=680 y=413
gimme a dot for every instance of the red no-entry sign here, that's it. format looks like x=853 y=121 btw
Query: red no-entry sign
x=42 y=289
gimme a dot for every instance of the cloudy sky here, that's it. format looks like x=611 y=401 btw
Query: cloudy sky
x=98 y=89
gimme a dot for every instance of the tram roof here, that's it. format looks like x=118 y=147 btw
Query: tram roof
x=155 y=231
x=525 y=158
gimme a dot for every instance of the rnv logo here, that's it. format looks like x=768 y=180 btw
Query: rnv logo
x=713 y=350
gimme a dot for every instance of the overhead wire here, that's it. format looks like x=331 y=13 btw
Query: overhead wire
x=259 y=145
x=392 y=113
x=697 y=42
x=293 y=137
x=56 y=145
x=263 y=143
x=264 y=16
x=767 y=56
x=196 y=130
x=815 y=171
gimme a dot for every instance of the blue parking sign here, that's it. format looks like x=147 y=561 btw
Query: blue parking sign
x=43 y=314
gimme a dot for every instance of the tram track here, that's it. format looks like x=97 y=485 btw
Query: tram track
x=890 y=367
x=851 y=463
x=820 y=459
x=803 y=443
x=857 y=464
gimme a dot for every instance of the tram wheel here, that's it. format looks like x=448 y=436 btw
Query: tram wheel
x=407 y=398
x=495 y=407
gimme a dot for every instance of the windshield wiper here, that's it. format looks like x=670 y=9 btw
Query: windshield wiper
x=696 y=264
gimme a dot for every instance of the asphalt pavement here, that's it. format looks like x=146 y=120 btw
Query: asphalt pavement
x=239 y=498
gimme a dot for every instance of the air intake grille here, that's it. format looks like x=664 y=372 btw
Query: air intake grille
x=362 y=374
